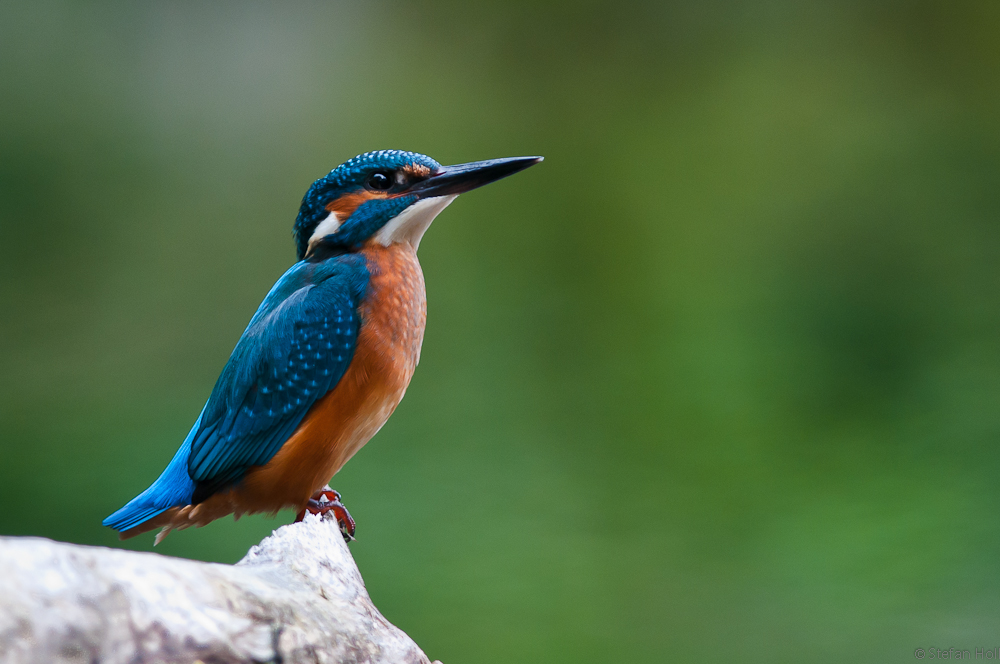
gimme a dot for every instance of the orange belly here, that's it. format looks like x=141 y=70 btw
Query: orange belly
x=393 y=317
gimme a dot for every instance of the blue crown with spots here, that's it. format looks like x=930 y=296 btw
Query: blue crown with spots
x=347 y=177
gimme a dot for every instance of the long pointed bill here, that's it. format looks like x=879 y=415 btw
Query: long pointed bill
x=458 y=179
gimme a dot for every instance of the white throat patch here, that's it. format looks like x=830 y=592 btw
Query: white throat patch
x=325 y=227
x=410 y=224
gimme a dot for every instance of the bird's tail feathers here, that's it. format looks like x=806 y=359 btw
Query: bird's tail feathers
x=133 y=514
x=173 y=488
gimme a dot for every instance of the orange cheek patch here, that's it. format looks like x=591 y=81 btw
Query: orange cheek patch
x=345 y=206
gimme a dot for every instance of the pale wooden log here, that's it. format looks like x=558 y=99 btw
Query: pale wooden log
x=296 y=597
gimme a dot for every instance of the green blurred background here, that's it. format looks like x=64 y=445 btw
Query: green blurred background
x=719 y=381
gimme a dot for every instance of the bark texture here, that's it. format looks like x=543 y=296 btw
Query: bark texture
x=296 y=597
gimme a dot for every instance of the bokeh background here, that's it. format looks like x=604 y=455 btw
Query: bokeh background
x=719 y=381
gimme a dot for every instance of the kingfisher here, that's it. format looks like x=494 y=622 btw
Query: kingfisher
x=327 y=356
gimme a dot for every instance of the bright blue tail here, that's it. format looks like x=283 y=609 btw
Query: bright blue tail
x=173 y=488
x=134 y=513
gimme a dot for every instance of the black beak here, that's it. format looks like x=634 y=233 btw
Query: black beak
x=458 y=179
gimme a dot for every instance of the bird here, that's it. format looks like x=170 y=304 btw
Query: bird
x=327 y=356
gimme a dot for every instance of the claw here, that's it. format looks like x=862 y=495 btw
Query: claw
x=327 y=500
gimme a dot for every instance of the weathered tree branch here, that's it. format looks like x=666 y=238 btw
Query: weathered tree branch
x=296 y=597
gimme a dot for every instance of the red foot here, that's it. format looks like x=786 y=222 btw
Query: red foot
x=327 y=500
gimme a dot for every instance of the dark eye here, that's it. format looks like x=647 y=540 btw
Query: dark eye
x=379 y=181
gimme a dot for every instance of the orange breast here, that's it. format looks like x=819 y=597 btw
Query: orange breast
x=393 y=317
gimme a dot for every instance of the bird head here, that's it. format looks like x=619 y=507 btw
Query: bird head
x=387 y=196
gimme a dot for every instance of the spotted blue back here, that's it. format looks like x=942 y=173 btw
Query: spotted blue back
x=295 y=350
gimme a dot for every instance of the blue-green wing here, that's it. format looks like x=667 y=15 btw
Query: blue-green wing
x=297 y=347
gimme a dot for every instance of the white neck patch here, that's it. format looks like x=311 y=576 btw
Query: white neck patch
x=411 y=224
x=324 y=228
